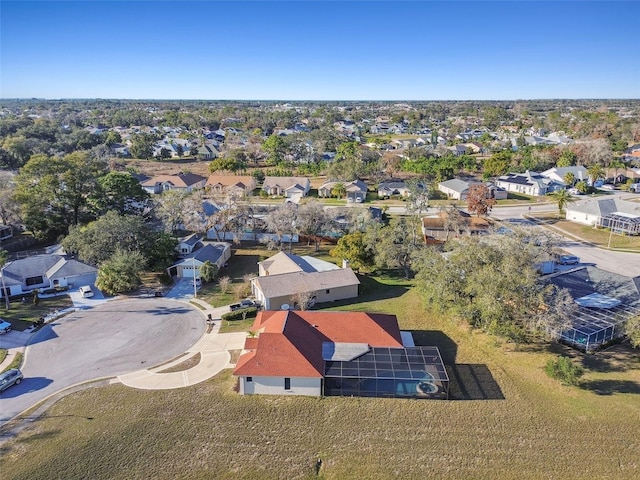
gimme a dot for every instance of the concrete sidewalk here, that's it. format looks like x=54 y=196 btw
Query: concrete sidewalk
x=214 y=350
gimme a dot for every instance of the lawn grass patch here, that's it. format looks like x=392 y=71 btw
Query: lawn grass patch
x=186 y=365
x=22 y=315
x=232 y=326
x=3 y=354
x=16 y=363
x=597 y=236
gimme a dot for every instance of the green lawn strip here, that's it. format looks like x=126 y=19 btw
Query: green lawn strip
x=3 y=354
x=16 y=363
x=597 y=236
x=231 y=326
x=21 y=315
x=197 y=305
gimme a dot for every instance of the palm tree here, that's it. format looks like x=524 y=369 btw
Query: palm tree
x=616 y=165
x=562 y=198
x=569 y=179
x=339 y=190
x=595 y=172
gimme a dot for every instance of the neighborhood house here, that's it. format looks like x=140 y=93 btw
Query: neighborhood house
x=185 y=182
x=287 y=280
x=44 y=272
x=337 y=353
x=293 y=188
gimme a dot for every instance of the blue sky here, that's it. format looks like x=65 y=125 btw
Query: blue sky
x=330 y=50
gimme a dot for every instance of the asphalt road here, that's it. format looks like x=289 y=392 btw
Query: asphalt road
x=111 y=339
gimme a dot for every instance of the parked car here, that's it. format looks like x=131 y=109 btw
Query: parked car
x=568 y=260
x=86 y=291
x=4 y=327
x=10 y=377
x=246 y=303
x=234 y=307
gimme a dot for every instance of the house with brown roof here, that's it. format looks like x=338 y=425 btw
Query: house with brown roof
x=286 y=281
x=337 y=353
x=185 y=182
x=440 y=228
x=294 y=188
x=241 y=185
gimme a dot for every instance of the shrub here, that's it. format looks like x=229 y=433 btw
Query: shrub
x=241 y=314
x=563 y=369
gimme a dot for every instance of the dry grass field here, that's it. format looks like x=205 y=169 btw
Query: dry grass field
x=506 y=420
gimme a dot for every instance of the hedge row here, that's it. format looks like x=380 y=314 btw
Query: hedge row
x=241 y=313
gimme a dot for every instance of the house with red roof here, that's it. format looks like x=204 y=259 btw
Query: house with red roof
x=337 y=353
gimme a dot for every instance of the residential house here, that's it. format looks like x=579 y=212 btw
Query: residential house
x=233 y=184
x=393 y=186
x=187 y=245
x=619 y=215
x=356 y=191
x=293 y=188
x=458 y=189
x=185 y=182
x=438 y=228
x=337 y=354
x=208 y=151
x=528 y=183
x=455 y=188
x=557 y=174
x=286 y=280
x=45 y=272
x=218 y=253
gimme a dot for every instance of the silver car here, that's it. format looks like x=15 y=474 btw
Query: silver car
x=10 y=377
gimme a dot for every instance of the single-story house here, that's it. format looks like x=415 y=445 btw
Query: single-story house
x=187 y=245
x=217 y=253
x=614 y=213
x=436 y=230
x=289 y=280
x=339 y=354
x=243 y=185
x=455 y=188
x=208 y=151
x=529 y=183
x=294 y=188
x=393 y=186
x=356 y=191
x=557 y=174
x=459 y=189
x=44 y=272
x=186 y=182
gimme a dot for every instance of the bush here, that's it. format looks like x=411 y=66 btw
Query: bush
x=563 y=369
x=241 y=314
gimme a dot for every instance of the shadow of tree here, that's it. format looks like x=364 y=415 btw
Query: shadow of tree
x=610 y=387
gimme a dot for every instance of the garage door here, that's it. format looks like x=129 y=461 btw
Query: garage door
x=188 y=271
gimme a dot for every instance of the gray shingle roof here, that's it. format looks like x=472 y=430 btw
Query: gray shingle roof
x=297 y=282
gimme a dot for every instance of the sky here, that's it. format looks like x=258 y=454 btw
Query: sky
x=327 y=50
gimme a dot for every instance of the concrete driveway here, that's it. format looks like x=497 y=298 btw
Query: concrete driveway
x=105 y=341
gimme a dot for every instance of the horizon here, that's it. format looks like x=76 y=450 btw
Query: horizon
x=319 y=50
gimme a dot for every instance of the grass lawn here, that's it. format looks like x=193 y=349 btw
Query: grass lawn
x=230 y=326
x=506 y=419
x=599 y=237
x=21 y=315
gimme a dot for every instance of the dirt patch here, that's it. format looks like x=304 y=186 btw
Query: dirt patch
x=154 y=168
x=235 y=354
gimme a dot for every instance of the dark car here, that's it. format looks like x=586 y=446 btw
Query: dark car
x=10 y=377
x=568 y=260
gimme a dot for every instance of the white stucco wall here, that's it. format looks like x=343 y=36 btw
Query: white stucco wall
x=580 y=217
x=275 y=386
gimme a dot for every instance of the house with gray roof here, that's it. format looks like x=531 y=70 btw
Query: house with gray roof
x=356 y=191
x=44 y=272
x=606 y=212
x=288 y=280
x=218 y=253
x=529 y=183
x=455 y=188
x=557 y=174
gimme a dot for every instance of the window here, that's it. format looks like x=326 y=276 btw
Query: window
x=249 y=379
x=287 y=384
x=34 y=281
x=327 y=291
